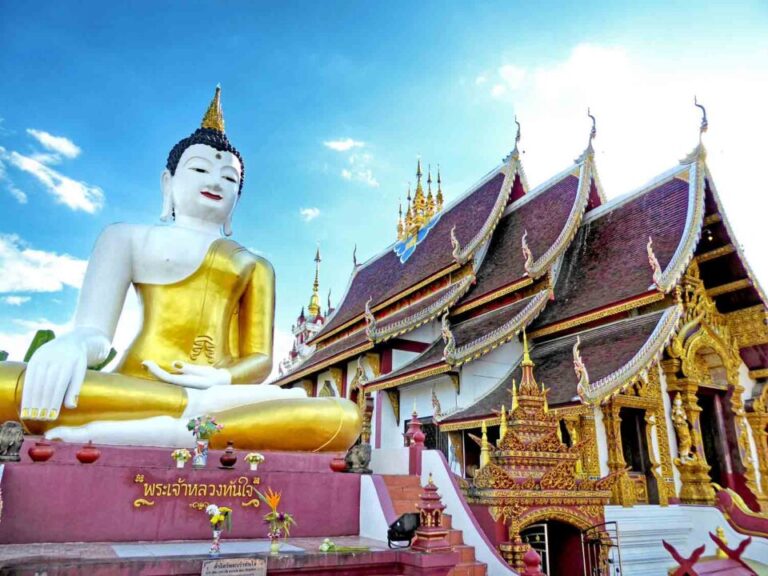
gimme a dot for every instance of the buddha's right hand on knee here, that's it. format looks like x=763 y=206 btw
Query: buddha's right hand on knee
x=56 y=372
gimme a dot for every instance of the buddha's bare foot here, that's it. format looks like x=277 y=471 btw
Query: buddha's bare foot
x=162 y=431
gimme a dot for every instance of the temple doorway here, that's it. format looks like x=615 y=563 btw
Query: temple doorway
x=634 y=443
x=558 y=544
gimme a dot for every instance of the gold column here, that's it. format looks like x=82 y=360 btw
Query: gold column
x=623 y=491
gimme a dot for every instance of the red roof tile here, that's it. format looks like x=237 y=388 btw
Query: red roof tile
x=544 y=216
x=607 y=262
x=604 y=351
x=386 y=277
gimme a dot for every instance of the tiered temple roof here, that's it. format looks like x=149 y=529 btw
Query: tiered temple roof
x=560 y=261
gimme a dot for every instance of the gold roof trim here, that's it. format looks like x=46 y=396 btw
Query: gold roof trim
x=503 y=291
x=502 y=334
x=597 y=315
x=542 y=264
x=422 y=373
x=612 y=384
x=426 y=315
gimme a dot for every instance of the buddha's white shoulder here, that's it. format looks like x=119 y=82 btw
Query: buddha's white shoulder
x=261 y=264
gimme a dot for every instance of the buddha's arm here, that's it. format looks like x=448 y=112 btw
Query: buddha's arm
x=57 y=369
x=255 y=328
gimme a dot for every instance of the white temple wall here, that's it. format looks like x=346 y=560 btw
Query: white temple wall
x=671 y=437
x=391 y=431
x=420 y=395
x=427 y=333
x=602 y=441
x=480 y=376
x=401 y=358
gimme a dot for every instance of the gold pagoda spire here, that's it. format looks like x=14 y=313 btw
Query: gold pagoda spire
x=528 y=384
x=419 y=202
x=515 y=403
x=214 y=117
x=400 y=223
x=314 y=301
x=485 y=449
x=430 y=203
x=503 y=424
x=439 y=197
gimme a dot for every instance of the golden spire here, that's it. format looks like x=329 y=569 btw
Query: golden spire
x=514 y=398
x=419 y=202
x=439 y=197
x=544 y=395
x=503 y=425
x=400 y=230
x=485 y=456
x=314 y=301
x=214 y=118
x=526 y=356
x=430 y=211
x=409 y=215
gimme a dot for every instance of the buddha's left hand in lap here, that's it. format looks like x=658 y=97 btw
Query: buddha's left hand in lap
x=190 y=375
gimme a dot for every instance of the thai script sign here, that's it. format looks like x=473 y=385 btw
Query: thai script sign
x=242 y=487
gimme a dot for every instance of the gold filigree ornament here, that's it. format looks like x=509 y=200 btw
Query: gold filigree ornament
x=139 y=502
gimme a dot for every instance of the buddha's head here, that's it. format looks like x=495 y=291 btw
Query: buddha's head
x=204 y=173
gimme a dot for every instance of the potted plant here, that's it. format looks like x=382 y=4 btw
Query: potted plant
x=279 y=522
x=254 y=459
x=202 y=428
x=220 y=518
x=181 y=456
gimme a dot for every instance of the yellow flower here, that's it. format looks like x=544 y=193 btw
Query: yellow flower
x=225 y=510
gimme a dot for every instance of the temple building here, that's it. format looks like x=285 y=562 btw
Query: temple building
x=646 y=331
x=308 y=323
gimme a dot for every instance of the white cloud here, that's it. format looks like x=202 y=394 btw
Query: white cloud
x=498 y=90
x=359 y=170
x=513 y=76
x=646 y=122
x=15 y=300
x=20 y=196
x=343 y=145
x=309 y=214
x=74 y=194
x=57 y=144
x=23 y=269
x=482 y=79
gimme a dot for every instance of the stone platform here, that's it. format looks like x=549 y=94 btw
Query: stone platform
x=299 y=556
x=137 y=494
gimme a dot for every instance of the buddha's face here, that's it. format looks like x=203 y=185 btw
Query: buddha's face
x=205 y=185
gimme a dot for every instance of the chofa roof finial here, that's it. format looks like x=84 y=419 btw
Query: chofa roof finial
x=593 y=132
x=704 y=123
x=519 y=132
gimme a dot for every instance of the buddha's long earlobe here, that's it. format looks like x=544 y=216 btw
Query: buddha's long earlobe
x=165 y=184
x=227 y=228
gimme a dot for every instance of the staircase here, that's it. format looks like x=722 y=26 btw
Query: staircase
x=404 y=492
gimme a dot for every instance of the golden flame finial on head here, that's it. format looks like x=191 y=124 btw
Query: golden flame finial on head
x=214 y=117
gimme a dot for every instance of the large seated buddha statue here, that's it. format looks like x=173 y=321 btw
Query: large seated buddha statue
x=205 y=345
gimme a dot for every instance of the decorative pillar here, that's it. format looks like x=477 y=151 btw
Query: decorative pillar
x=589 y=437
x=532 y=562
x=514 y=550
x=622 y=491
x=430 y=535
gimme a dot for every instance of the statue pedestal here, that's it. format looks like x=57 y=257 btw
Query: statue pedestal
x=138 y=494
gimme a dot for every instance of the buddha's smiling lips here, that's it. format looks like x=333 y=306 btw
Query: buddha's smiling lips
x=210 y=195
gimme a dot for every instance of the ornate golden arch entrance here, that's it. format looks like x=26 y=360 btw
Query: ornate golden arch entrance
x=702 y=372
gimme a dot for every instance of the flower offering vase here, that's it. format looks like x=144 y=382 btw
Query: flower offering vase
x=200 y=457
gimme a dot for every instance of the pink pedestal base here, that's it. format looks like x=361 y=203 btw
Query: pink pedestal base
x=138 y=494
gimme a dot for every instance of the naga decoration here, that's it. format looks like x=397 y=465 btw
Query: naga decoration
x=437 y=411
x=527 y=254
x=580 y=369
x=370 y=319
x=456 y=252
x=704 y=124
x=655 y=266
x=448 y=338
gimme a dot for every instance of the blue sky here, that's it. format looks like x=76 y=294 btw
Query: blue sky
x=330 y=104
